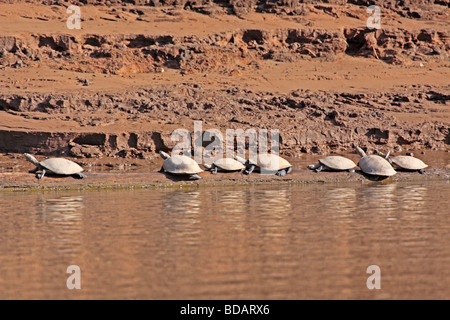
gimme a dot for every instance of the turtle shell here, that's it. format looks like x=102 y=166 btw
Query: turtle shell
x=376 y=165
x=271 y=162
x=178 y=164
x=61 y=166
x=408 y=163
x=229 y=164
x=337 y=163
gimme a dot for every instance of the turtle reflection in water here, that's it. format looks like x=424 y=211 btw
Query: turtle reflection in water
x=56 y=166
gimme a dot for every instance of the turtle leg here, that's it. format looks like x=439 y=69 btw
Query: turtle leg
x=351 y=170
x=281 y=173
x=250 y=169
x=421 y=171
x=40 y=175
x=34 y=170
x=214 y=169
x=196 y=176
x=161 y=170
x=289 y=170
x=319 y=168
x=79 y=175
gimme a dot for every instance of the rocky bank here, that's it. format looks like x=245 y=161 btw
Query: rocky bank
x=104 y=123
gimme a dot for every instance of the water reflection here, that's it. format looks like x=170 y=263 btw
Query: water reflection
x=392 y=198
x=230 y=206
x=271 y=201
x=252 y=242
x=183 y=202
x=271 y=213
x=61 y=210
x=63 y=217
x=412 y=197
x=181 y=214
x=231 y=201
x=341 y=201
x=378 y=197
x=60 y=205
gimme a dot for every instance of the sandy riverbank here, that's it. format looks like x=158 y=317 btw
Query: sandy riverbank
x=116 y=174
x=105 y=181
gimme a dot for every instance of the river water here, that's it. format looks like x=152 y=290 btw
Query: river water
x=255 y=242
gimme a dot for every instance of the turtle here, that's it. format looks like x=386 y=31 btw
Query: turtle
x=225 y=164
x=57 y=166
x=405 y=162
x=267 y=163
x=180 y=165
x=374 y=164
x=333 y=163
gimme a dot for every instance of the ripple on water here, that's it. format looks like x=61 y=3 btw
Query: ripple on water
x=256 y=242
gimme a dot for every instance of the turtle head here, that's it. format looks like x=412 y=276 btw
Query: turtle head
x=30 y=158
x=164 y=155
x=381 y=154
x=389 y=159
x=241 y=160
x=207 y=166
x=385 y=156
x=360 y=151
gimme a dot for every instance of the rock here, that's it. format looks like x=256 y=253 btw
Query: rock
x=84 y=82
x=18 y=64
x=85 y=151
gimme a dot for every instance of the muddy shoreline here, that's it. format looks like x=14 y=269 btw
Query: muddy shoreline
x=111 y=174
x=108 y=181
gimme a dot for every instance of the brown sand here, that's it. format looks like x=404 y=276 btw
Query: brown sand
x=312 y=71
